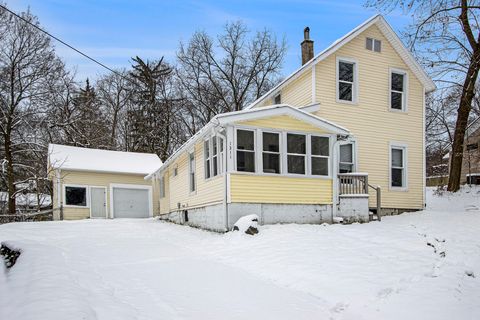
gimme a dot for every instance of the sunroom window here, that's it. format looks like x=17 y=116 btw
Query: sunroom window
x=75 y=196
x=320 y=154
x=191 y=169
x=215 y=156
x=296 y=153
x=346 y=86
x=207 y=158
x=245 y=150
x=271 y=152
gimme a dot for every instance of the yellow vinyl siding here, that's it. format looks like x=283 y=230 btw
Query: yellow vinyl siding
x=299 y=92
x=207 y=192
x=98 y=179
x=251 y=188
x=283 y=122
x=371 y=122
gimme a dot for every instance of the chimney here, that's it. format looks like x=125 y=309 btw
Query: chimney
x=307 y=46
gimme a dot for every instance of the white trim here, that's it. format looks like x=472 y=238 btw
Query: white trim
x=87 y=195
x=130 y=186
x=311 y=108
x=314 y=82
x=106 y=209
x=355 y=83
x=403 y=72
x=424 y=156
x=403 y=146
x=58 y=173
x=389 y=34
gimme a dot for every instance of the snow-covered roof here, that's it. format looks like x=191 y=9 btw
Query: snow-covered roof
x=85 y=159
x=248 y=114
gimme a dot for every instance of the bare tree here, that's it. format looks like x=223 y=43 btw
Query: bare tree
x=229 y=72
x=27 y=64
x=445 y=35
x=115 y=93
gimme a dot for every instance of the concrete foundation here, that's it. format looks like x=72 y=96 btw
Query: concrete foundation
x=353 y=208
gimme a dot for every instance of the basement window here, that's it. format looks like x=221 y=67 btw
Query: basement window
x=75 y=196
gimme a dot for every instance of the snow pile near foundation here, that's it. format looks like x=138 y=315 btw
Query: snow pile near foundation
x=247 y=224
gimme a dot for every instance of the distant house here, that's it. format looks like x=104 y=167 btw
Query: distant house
x=316 y=146
x=26 y=201
x=471 y=160
x=92 y=183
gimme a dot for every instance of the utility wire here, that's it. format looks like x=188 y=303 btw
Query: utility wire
x=64 y=43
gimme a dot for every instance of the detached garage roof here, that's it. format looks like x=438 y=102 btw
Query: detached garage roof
x=85 y=159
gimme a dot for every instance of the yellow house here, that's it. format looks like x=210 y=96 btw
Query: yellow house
x=340 y=137
x=92 y=183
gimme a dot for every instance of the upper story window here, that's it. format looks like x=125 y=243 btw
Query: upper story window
x=398 y=90
x=277 y=99
x=271 y=152
x=373 y=45
x=246 y=150
x=346 y=80
x=296 y=153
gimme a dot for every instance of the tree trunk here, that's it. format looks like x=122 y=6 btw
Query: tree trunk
x=10 y=175
x=468 y=92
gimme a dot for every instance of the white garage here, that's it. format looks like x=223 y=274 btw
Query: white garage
x=131 y=201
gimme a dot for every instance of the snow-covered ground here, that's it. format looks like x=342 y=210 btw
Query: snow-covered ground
x=413 y=266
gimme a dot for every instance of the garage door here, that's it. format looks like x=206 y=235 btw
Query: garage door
x=130 y=203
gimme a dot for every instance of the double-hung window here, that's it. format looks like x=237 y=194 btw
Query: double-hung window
x=76 y=196
x=191 y=169
x=398 y=90
x=346 y=81
x=162 y=187
x=398 y=167
x=221 y=156
x=246 y=150
x=296 y=153
x=271 y=152
x=346 y=163
x=207 y=158
x=319 y=155
x=214 y=156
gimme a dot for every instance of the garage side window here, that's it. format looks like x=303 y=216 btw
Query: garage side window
x=76 y=196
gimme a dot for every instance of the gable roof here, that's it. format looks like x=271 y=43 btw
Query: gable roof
x=85 y=159
x=275 y=110
x=389 y=34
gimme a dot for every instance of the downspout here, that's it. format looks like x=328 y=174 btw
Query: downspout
x=336 y=153
x=225 y=173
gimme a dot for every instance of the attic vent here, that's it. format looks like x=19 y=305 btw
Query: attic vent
x=277 y=99
x=373 y=45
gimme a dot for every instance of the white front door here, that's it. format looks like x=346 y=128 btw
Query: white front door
x=98 y=205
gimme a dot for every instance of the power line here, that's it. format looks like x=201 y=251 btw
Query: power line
x=64 y=43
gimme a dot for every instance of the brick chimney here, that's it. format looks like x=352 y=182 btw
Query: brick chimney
x=307 y=46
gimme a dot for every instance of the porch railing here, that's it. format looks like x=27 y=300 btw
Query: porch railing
x=353 y=183
x=356 y=183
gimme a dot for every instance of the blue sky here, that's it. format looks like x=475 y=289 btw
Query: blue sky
x=113 y=31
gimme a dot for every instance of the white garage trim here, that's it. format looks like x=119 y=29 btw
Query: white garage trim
x=131 y=186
